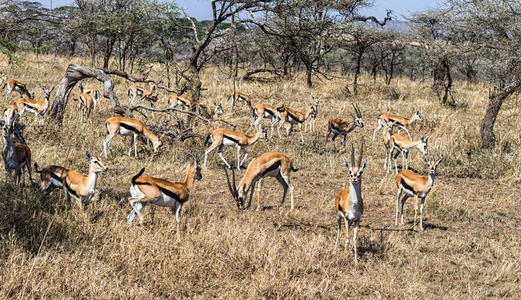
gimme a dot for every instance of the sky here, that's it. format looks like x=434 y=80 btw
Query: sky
x=200 y=9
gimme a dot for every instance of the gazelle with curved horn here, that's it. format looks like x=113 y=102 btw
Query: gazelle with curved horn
x=51 y=177
x=337 y=126
x=16 y=154
x=348 y=202
x=151 y=190
x=414 y=185
x=224 y=137
x=270 y=164
x=37 y=107
x=82 y=188
x=401 y=144
x=312 y=120
x=401 y=122
x=14 y=86
x=94 y=92
x=264 y=111
x=86 y=105
x=128 y=126
x=286 y=114
x=239 y=97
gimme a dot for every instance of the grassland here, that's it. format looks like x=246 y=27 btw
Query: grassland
x=471 y=246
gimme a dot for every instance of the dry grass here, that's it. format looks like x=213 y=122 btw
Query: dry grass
x=470 y=248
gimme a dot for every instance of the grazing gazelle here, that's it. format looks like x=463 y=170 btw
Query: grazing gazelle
x=151 y=190
x=86 y=104
x=348 y=202
x=286 y=114
x=128 y=126
x=82 y=188
x=270 y=164
x=337 y=126
x=37 y=107
x=402 y=145
x=399 y=121
x=261 y=111
x=51 y=177
x=145 y=94
x=177 y=100
x=14 y=86
x=16 y=154
x=94 y=92
x=221 y=137
x=417 y=186
x=239 y=97
x=313 y=118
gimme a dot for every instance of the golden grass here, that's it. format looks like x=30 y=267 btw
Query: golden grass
x=470 y=248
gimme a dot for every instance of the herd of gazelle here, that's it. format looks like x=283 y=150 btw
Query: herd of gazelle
x=150 y=190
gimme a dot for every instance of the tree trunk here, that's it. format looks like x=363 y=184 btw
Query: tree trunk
x=74 y=74
x=309 y=72
x=357 y=73
x=495 y=100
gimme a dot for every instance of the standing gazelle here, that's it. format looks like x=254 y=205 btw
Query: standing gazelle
x=239 y=97
x=16 y=154
x=145 y=94
x=86 y=105
x=160 y=192
x=286 y=114
x=37 y=107
x=221 y=137
x=338 y=126
x=82 y=188
x=51 y=177
x=128 y=126
x=313 y=118
x=94 y=92
x=417 y=186
x=348 y=202
x=402 y=145
x=399 y=121
x=14 y=86
x=261 y=111
x=270 y=164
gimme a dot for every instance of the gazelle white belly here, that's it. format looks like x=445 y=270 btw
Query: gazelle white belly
x=228 y=142
x=124 y=131
x=165 y=200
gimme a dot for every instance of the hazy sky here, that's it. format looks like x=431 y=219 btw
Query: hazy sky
x=200 y=9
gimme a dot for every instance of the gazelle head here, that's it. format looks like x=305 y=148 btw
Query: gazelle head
x=218 y=109
x=195 y=167
x=316 y=101
x=432 y=165
x=238 y=195
x=95 y=163
x=417 y=116
x=358 y=118
x=423 y=144
x=355 y=171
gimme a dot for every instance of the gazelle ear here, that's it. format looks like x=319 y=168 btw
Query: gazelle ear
x=346 y=163
x=365 y=164
x=88 y=155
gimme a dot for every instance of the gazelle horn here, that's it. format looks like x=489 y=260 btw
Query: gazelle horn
x=361 y=153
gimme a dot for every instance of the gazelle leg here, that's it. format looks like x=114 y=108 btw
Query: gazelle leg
x=339 y=227
x=347 y=245
x=415 y=209
x=134 y=140
x=376 y=130
x=178 y=207
x=136 y=206
x=403 y=202
x=345 y=135
x=219 y=152
x=355 y=231
x=328 y=133
x=421 y=213
x=244 y=158
x=300 y=130
x=407 y=160
x=261 y=183
x=333 y=140
x=210 y=149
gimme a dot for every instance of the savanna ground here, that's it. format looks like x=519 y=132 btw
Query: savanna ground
x=471 y=246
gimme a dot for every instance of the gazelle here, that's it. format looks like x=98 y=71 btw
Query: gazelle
x=14 y=86
x=145 y=94
x=270 y=164
x=417 y=186
x=10 y=114
x=337 y=126
x=85 y=106
x=286 y=114
x=128 y=126
x=313 y=118
x=82 y=188
x=261 y=111
x=151 y=190
x=388 y=132
x=399 y=121
x=221 y=137
x=94 y=92
x=208 y=113
x=239 y=97
x=402 y=145
x=348 y=202
x=176 y=100
x=37 y=107
x=16 y=154
x=51 y=177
